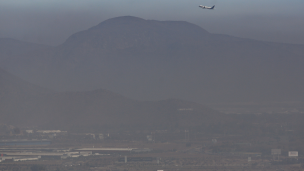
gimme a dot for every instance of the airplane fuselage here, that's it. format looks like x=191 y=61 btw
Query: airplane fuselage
x=206 y=7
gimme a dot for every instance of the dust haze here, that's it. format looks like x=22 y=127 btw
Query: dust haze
x=52 y=22
x=151 y=85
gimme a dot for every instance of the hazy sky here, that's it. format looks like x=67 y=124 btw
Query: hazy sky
x=52 y=21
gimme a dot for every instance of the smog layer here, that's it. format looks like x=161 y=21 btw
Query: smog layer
x=165 y=94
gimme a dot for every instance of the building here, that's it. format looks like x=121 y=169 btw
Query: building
x=49 y=131
x=29 y=131
x=24 y=142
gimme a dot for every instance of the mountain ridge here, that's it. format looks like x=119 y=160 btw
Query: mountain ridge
x=134 y=36
x=25 y=105
x=154 y=60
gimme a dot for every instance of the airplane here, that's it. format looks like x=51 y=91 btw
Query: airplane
x=206 y=7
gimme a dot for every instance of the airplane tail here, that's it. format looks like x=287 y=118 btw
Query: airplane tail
x=213 y=7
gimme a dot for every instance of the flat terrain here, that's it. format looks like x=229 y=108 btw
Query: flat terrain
x=169 y=151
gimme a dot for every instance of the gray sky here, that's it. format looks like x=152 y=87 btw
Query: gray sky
x=52 y=21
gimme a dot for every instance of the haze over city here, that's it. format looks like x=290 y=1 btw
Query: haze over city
x=113 y=85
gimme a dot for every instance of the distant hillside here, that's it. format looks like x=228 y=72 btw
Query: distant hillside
x=24 y=104
x=19 y=100
x=10 y=48
x=154 y=60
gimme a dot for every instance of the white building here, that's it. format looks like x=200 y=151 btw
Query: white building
x=29 y=131
x=49 y=131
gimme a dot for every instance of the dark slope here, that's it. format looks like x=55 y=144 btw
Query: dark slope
x=147 y=59
x=131 y=32
x=24 y=104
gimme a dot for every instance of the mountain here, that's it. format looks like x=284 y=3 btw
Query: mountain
x=19 y=99
x=153 y=60
x=24 y=104
x=10 y=48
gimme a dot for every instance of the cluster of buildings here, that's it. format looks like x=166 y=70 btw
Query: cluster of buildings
x=31 y=137
x=277 y=152
x=35 y=154
x=52 y=133
x=29 y=154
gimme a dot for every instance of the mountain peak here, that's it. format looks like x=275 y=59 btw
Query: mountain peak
x=124 y=19
x=132 y=32
x=129 y=20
